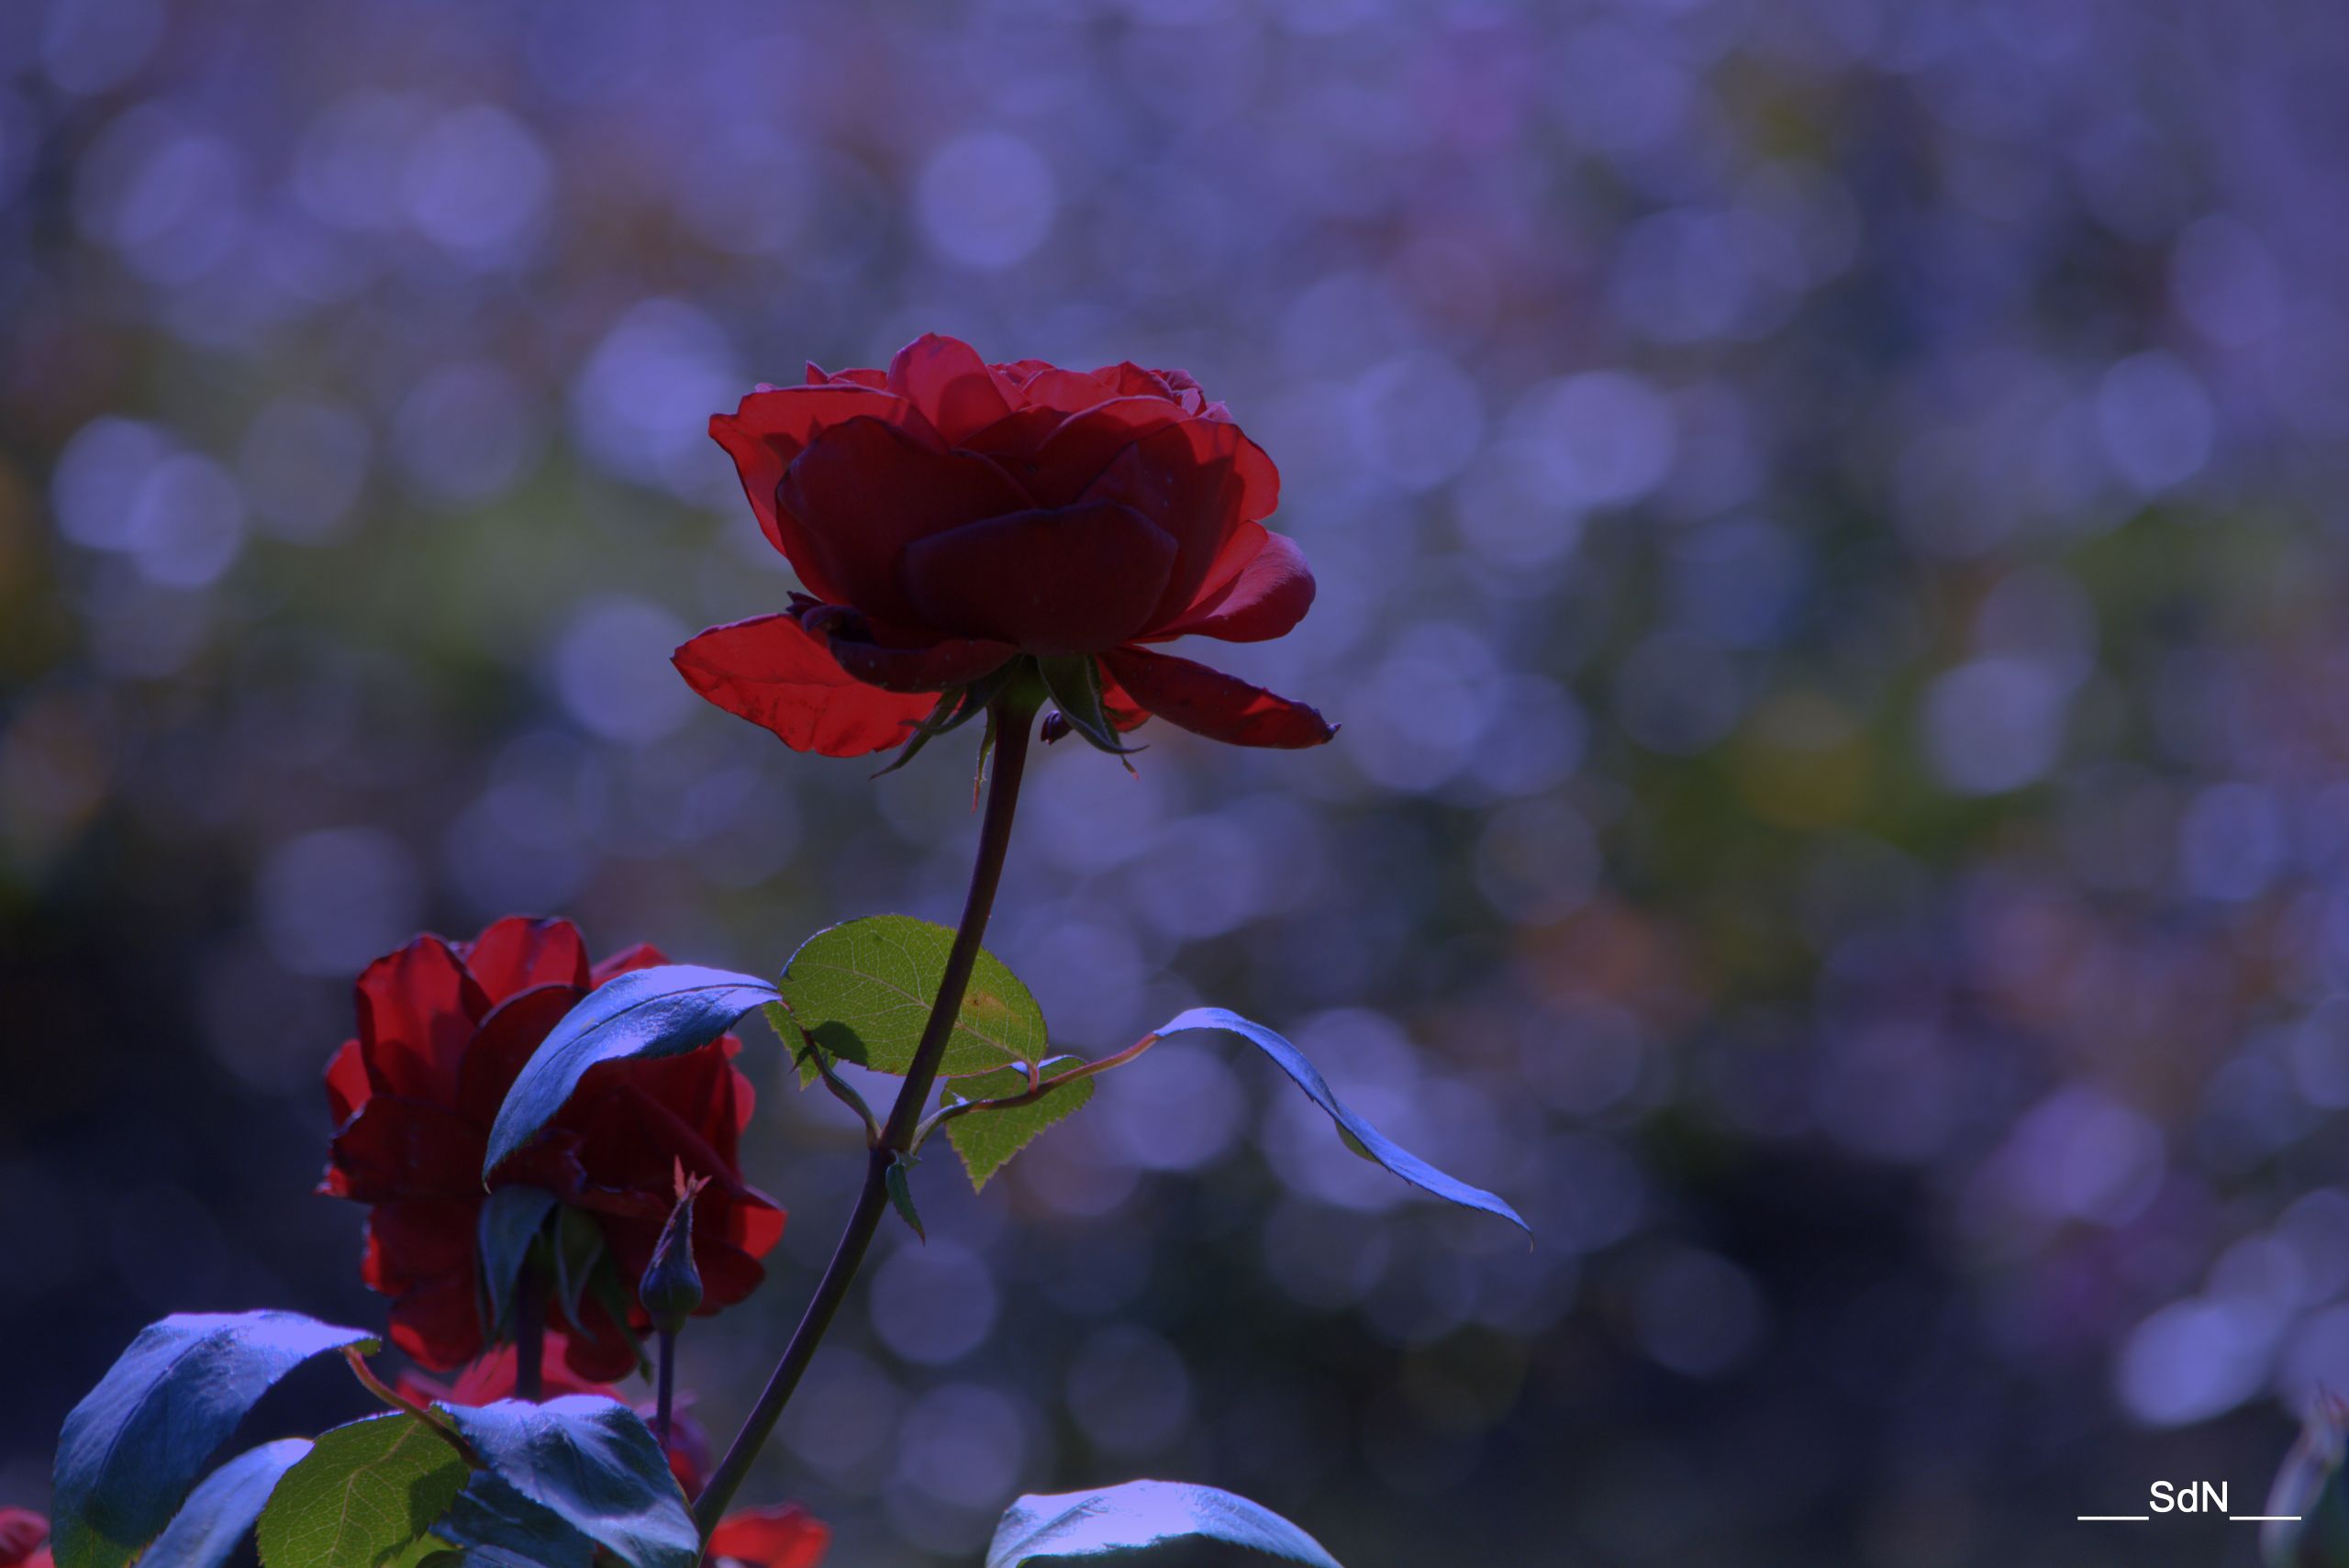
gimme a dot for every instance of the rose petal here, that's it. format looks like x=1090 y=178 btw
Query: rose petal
x=865 y=490
x=1076 y=579
x=346 y=1081
x=1012 y=440
x=956 y=391
x=1071 y=392
x=402 y=1147
x=785 y=1536
x=515 y=1028
x=595 y=1350
x=1210 y=703
x=1135 y=381
x=438 y=1326
x=1271 y=594
x=769 y=670
x=417 y=1008
x=819 y=376
x=1124 y=713
x=769 y=428
x=644 y=956
x=1185 y=478
x=952 y=663
x=519 y=952
x=1083 y=445
x=21 y=1529
x=412 y=1246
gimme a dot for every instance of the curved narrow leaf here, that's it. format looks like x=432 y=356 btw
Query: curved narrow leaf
x=366 y=1490
x=510 y=1220
x=1362 y=1137
x=1140 y=1514
x=862 y=990
x=565 y=1477
x=213 y=1521
x=986 y=1139
x=134 y=1447
x=665 y=1011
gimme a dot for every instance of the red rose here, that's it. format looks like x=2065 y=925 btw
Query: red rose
x=491 y=1378
x=443 y=1030
x=952 y=516
x=788 y=1536
x=24 y=1539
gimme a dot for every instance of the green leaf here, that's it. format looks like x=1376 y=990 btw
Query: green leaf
x=861 y=991
x=133 y=1448
x=645 y=1012
x=213 y=1521
x=510 y=1220
x=565 y=1477
x=1143 y=1514
x=901 y=1197
x=985 y=1139
x=420 y=1551
x=1076 y=684
x=366 y=1490
x=1362 y=1137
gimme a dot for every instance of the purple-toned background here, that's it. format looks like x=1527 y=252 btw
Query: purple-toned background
x=1829 y=530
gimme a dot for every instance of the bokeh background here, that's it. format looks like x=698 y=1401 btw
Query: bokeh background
x=1827 y=516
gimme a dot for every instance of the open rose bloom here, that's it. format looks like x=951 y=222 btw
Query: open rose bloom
x=949 y=517
x=443 y=1030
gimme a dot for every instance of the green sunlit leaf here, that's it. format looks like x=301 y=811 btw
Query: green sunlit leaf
x=366 y=1490
x=861 y=991
x=985 y=1139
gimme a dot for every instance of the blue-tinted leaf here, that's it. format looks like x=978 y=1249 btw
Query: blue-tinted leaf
x=644 y=1013
x=159 y=1417
x=495 y=1524
x=583 y=1463
x=213 y=1521
x=510 y=1220
x=1364 y=1138
x=1140 y=1514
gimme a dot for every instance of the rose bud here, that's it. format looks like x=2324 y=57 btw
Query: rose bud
x=444 y=1028
x=952 y=520
x=671 y=1288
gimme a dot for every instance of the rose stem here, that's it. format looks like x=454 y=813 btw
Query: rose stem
x=1014 y=716
x=668 y=1394
x=530 y=1335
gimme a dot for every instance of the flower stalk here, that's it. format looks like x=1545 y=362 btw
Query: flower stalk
x=1011 y=717
x=529 y=1333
